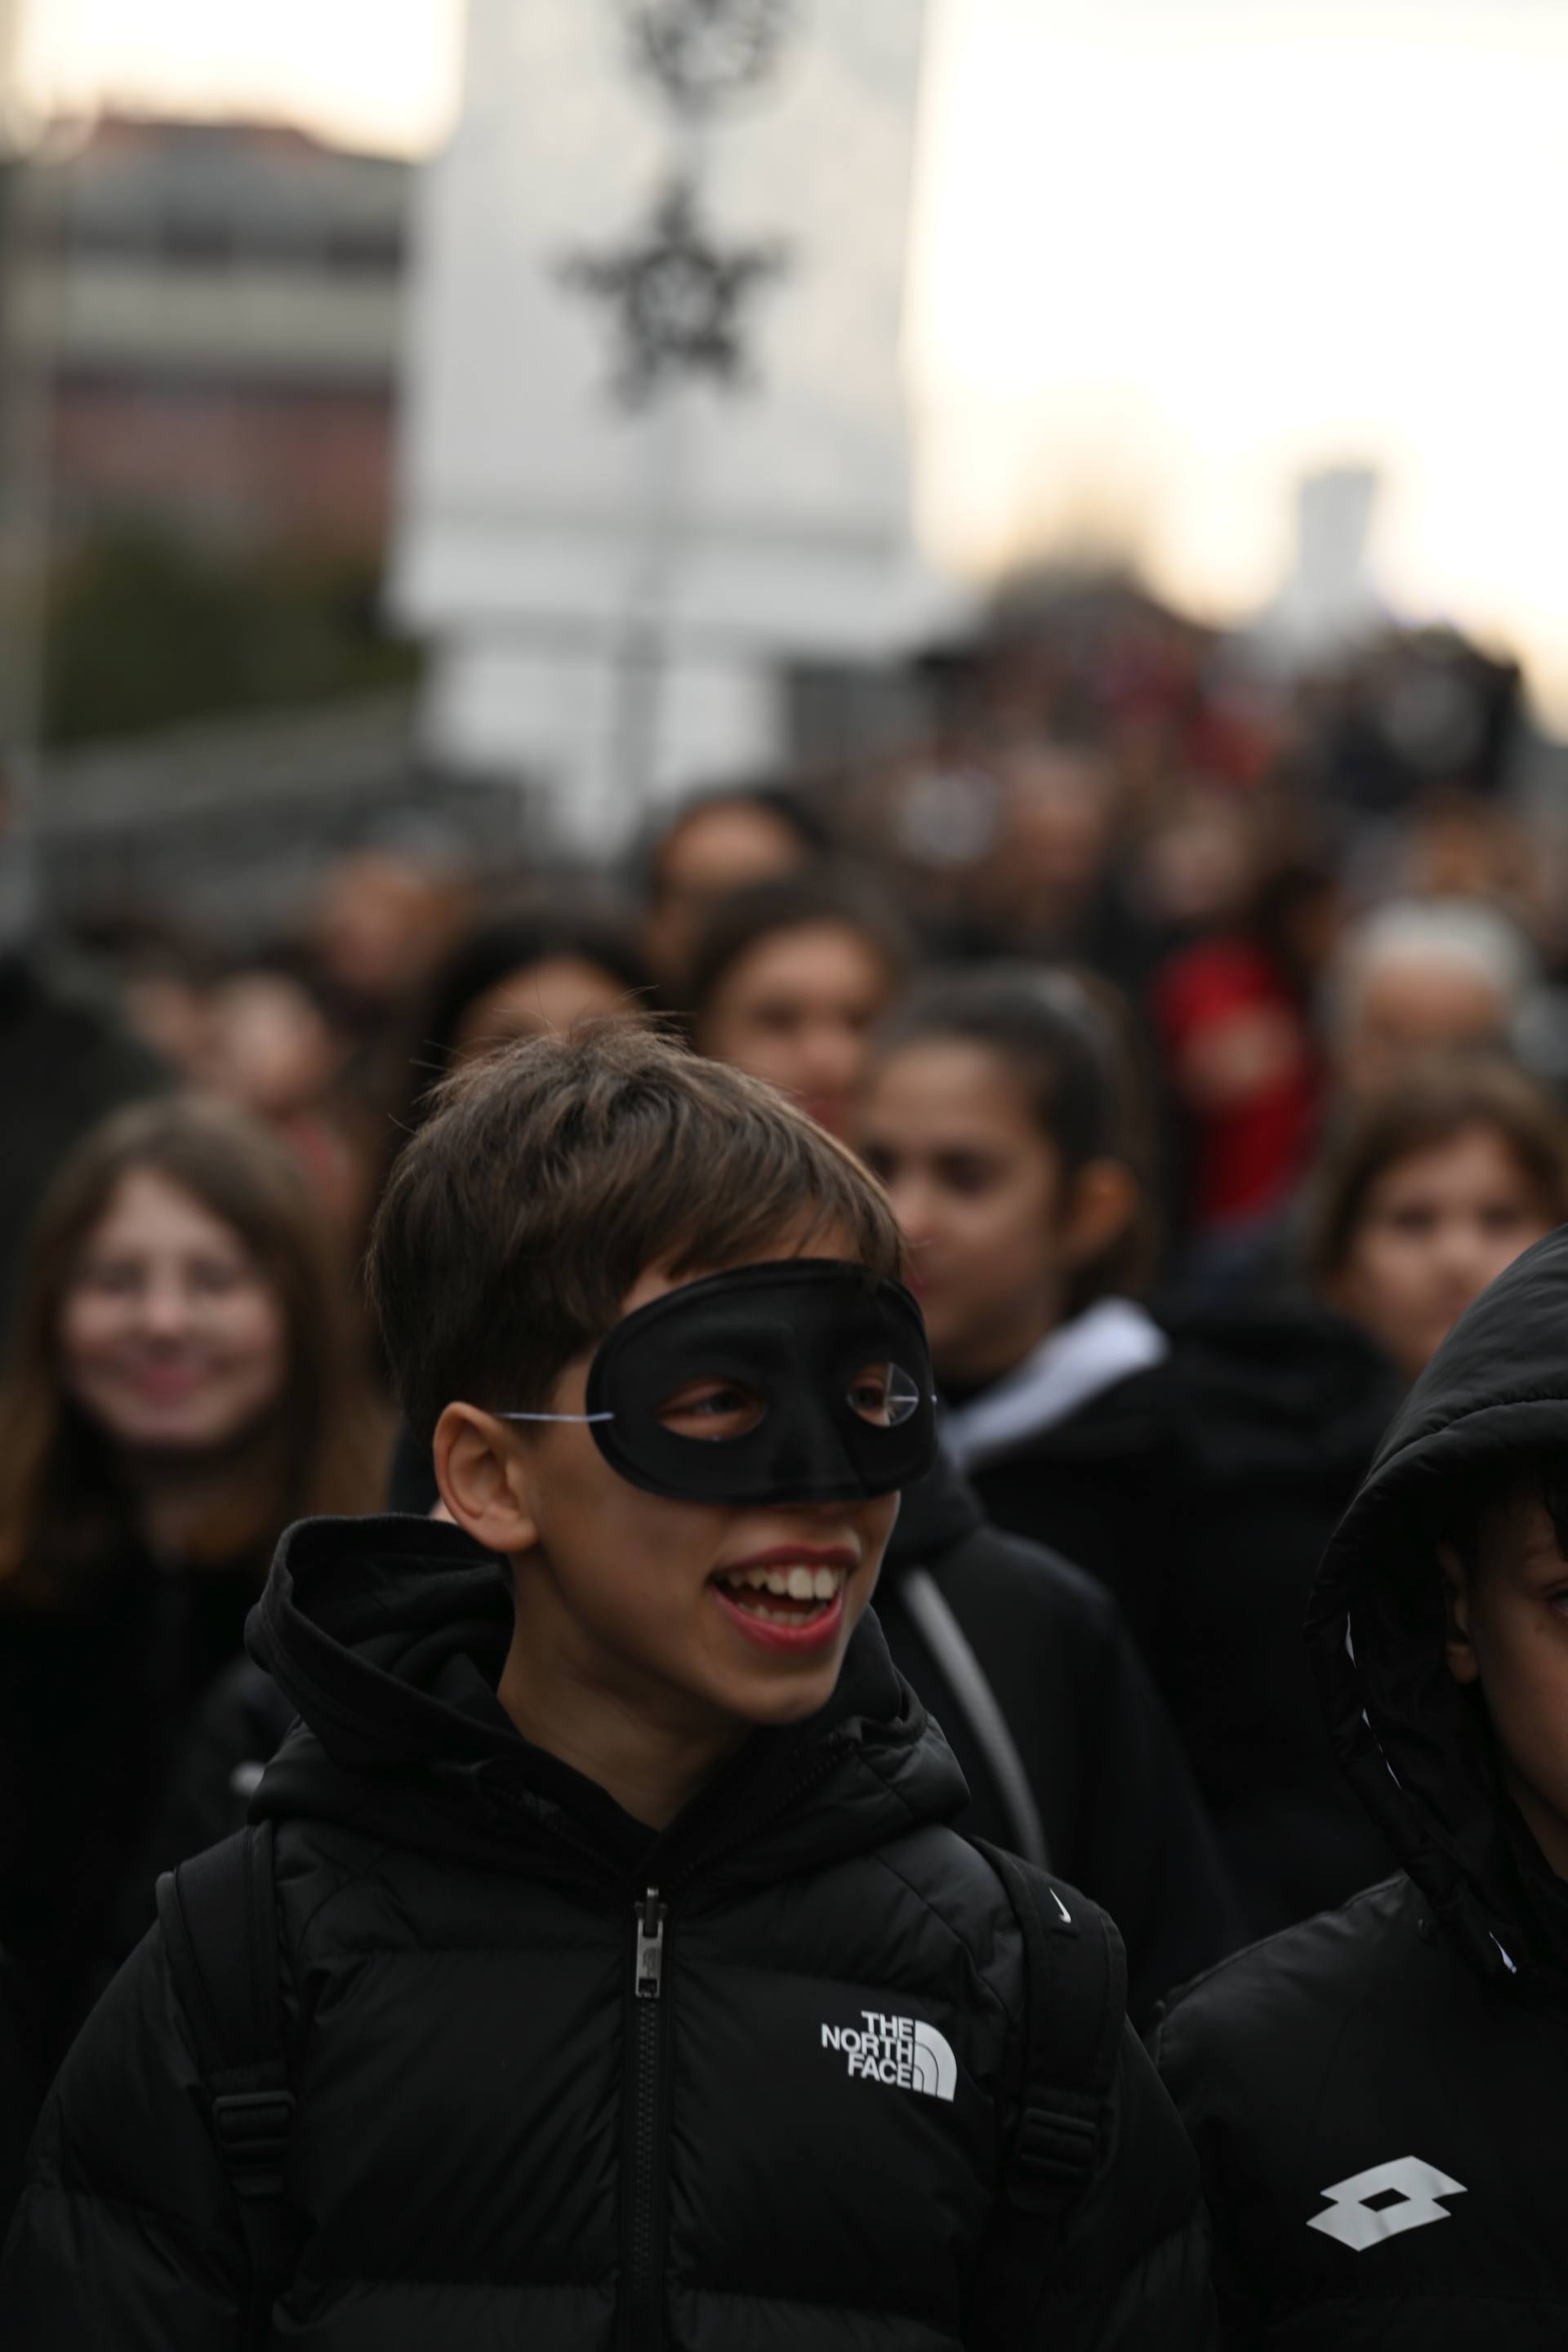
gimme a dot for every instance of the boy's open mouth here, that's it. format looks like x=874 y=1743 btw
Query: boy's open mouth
x=794 y=1595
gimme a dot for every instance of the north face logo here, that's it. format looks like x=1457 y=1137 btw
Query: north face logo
x=1384 y=2201
x=898 y=2050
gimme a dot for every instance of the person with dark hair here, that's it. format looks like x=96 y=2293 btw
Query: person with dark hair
x=610 y=1870
x=1005 y=1112
x=1065 y=1744
x=1421 y=1197
x=519 y=973
x=1425 y=1193
x=1373 y=2094
x=719 y=841
x=789 y=979
x=182 y=1385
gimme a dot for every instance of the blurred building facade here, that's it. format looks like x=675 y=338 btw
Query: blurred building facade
x=224 y=335
x=656 y=448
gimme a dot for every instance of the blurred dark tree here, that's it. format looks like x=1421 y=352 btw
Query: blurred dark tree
x=144 y=631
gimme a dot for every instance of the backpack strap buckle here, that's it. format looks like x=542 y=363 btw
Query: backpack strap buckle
x=1053 y=2156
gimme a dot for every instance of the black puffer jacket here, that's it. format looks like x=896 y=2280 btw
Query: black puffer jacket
x=1116 y=1809
x=1402 y=2063
x=495 y=2141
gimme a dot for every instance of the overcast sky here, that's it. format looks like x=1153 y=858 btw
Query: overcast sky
x=1166 y=253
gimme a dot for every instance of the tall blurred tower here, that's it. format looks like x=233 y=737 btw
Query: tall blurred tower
x=654 y=441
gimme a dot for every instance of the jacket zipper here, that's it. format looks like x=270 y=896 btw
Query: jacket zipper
x=642 y=2318
x=642 y=2242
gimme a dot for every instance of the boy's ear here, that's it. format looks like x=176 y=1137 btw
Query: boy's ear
x=1463 y=1663
x=482 y=1480
x=1100 y=1206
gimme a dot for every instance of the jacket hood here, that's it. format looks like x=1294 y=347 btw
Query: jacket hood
x=380 y=1631
x=1417 y=1748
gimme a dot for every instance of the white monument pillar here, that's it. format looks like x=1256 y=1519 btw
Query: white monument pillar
x=655 y=440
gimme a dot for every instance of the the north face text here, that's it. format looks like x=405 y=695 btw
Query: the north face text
x=901 y=2051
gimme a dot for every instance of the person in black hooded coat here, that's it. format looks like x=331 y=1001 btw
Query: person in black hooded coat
x=598 y=1940
x=1065 y=1743
x=1402 y=2063
x=1062 y=1738
x=454 y=1945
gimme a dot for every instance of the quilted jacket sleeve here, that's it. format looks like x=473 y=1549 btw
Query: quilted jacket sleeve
x=126 y=2237
x=1129 y=2271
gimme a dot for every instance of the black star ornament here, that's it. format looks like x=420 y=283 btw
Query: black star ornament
x=676 y=298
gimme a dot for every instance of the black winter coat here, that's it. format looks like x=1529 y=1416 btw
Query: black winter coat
x=1115 y=1800
x=1202 y=1492
x=1377 y=2096
x=495 y=2141
x=96 y=1682
x=1096 y=1489
x=1281 y=1409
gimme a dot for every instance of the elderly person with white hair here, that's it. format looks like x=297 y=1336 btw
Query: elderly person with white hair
x=1423 y=976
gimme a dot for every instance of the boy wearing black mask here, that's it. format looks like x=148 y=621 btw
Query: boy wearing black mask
x=633 y=1989
x=1377 y=2096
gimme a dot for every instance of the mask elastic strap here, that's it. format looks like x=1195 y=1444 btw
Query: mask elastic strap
x=581 y=1417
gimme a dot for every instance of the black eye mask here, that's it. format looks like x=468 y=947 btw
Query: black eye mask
x=806 y=1380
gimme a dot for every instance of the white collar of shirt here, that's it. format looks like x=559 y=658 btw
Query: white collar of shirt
x=1106 y=1343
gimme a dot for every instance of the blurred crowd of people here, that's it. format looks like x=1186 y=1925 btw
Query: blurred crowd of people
x=1203 y=1029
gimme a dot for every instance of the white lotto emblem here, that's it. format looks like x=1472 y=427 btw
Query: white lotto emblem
x=898 y=2050
x=1412 y=2189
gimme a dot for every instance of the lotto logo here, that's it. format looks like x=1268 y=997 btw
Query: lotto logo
x=1384 y=2201
x=901 y=2051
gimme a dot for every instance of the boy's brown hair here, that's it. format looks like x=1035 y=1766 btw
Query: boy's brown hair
x=552 y=1176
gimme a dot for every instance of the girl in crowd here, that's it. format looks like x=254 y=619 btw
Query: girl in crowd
x=524 y=973
x=182 y=1386
x=1421 y=1198
x=719 y=842
x=1004 y=1113
x=788 y=980
x=1428 y=1192
x=1197 y=1467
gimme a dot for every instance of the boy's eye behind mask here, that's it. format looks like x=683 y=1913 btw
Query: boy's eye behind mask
x=800 y=1381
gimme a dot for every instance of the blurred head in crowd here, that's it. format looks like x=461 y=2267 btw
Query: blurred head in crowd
x=381 y=922
x=1005 y=1114
x=1054 y=836
x=522 y=973
x=182 y=1372
x=1429 y=1190
x=1198 y=861
x=1420 y=977
x=787 y=981
x=164 y=976
x=268 y=1044
x=717 y=844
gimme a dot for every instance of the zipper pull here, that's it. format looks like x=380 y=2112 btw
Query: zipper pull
x=649 y=1914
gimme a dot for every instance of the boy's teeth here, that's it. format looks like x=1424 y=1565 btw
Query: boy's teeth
x=796 y=1583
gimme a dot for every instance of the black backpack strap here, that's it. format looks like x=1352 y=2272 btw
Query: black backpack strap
x=1077 y=2001
x=950 y=1645
x=218 y=1914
